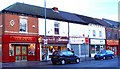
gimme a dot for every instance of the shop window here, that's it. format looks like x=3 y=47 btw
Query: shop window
x=97 y=48
x=94 y=33
x=11 y=50
x=92 y=49
x=56 y=28
x=44 y=52
x=31 y=49
x=23 y=25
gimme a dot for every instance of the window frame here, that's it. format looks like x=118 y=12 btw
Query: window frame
x=100 y=33
x=23 y=21
x=109 y=35
x=94 y=33
x=56 y=28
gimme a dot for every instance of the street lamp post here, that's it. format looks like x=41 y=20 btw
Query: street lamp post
x=45 y=40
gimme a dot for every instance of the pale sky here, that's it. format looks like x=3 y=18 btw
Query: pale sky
x=94 y=8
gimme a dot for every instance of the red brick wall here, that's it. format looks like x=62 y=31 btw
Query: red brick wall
x=33 y=21
x=116 y=31
x=15 y=28
x=0 y=24
x=8 y=27
x=108 y=30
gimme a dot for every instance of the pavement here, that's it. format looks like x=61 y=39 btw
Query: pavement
x=36 y=63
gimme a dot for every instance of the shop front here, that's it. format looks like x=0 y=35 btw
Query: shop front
x=80 y=45
x=96 y=45
x=113 y=45
x=53 y=43
x=20 y=48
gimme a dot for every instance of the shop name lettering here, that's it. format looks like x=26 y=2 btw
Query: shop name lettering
x=21 y=38
x=55 y=39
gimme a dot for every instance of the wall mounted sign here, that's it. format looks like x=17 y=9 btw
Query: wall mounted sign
x=55 y=39
x=22 y=39
x=97 y=41
x=12 y=22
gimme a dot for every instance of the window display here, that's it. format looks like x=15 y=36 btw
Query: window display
x=11 y=50
x=31 y=49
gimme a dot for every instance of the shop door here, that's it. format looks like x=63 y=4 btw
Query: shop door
x=21 y=53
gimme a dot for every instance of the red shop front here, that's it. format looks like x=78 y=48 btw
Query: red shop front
x=20 y=48
x=112 y=45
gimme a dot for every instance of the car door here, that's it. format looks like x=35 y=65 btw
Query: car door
x=71 y=56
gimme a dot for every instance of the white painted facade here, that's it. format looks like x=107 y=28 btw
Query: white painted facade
x=97 y=28
x=97 y=38
x=78 y=30
x=50 y=27
x=78 y=33
x=63 y=31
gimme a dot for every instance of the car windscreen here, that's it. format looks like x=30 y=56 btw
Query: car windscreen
x=67 y=53
x=102 y=52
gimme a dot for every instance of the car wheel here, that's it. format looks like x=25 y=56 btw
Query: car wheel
x=62 y=62
x=104 y=58
x=95 y=58
x=77 y=60
x=112 y=57
x=54 y=63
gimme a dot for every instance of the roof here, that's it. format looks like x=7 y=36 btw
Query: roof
x=88 y=19
x=39 y=12
x=114 y=24
x=72 y=17
x=26 y=9
x=103 y=23
x=33 y=10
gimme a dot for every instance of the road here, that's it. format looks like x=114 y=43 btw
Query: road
x=91 y=64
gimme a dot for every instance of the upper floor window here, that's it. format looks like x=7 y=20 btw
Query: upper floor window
x=115 y=36
x=56 y=28
x=94 y=33
x=23 y=25
x=109 y=35
x=100 y=33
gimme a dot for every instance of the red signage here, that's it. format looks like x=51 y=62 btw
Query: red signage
x=22 y=39
x=112 y=42
x=87 y=40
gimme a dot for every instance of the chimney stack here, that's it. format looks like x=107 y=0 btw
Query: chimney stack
x=55 y=9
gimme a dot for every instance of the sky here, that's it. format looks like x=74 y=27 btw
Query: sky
x=93 y=8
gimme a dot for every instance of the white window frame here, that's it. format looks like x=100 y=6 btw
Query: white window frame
x=94 y=33
x=100 y=33
x=26 y=21
x=57 y=27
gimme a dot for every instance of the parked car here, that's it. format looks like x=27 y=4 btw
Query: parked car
x=63 y=57
x=104 y=54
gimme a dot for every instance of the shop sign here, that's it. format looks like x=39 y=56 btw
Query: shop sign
x=87 y=40
x=22 y=39
x=76 y=40
x=56 y=39
x=97 y=41
x=116 y=42
x=112 y=42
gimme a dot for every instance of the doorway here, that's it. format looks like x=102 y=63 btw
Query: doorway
x=21 y=53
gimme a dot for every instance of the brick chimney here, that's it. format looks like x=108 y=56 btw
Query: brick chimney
x=55 y=9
